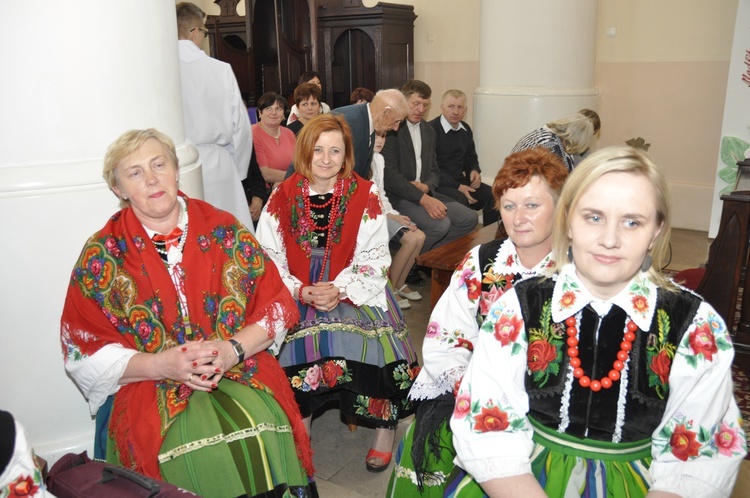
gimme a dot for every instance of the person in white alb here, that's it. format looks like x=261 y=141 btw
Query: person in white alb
x=215 y=116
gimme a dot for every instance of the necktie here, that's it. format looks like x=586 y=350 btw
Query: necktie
x=172 y=239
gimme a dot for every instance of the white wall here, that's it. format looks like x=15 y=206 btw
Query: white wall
x=74 y=80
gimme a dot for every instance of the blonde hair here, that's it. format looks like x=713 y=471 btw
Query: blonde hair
x=456 y=94
x=591 y=169
x=126 y=144
x=308 y=136
x=576 y=132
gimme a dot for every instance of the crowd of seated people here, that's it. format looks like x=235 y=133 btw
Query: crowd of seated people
x=210 y=333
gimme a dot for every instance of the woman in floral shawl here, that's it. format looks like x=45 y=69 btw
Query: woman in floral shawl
x=606 y=379
x=526 y=189
x=170 y=313
x=325 y=230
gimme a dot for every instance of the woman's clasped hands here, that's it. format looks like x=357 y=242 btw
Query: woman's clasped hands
x=198 y=364
x=323 y=296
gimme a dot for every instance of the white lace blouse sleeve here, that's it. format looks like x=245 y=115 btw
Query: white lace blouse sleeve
x=698 y=448
x=268 y=237
x=365 y=278
x=451 y=332
x=491 y=432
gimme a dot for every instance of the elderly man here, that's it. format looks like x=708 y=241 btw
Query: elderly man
x=460 y=175
x=412 y=175
x=215 y=117
x=386 y=112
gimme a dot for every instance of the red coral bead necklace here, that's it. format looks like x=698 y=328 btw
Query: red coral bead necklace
x=334 y=202
x=617 y=366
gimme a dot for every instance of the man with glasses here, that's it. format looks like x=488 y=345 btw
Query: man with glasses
x=216 y=118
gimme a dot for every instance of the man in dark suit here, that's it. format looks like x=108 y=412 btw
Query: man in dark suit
x=386 y=112
x=412 y=175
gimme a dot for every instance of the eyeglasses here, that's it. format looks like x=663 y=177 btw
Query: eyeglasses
x=202 y=30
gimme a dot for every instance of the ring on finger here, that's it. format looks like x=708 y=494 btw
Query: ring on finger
x=190 y=378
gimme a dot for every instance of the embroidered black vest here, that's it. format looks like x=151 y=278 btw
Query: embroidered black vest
x=647 y=391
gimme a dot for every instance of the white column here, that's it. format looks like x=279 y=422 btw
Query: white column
x=536 y=63
x=75 y=77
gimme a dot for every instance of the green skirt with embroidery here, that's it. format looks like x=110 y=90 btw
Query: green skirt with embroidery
x=234 y=441
x=403 y=480
x=567 y=466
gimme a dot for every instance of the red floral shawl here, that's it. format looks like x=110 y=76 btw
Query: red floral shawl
x=121 y=292
x=288 y=206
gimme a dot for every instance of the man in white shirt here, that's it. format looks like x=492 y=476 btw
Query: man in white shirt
x=215 y=116
x=460 y=175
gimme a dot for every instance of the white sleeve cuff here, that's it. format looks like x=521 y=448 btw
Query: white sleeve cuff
x=98 y=375
x=487 y=469
x=687 y=486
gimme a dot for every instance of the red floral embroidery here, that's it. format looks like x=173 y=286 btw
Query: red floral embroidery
x=331 y=373
x=509 y=261
x=507 y=329
x=24 y=486
x=568 y=299
x=684 y=444
x=463 y=261
x=473 y=289
x=540 y=354
x=640 y=303
x=491 y=420
x=380 y=408
x=374 y=209
x=660 y=365
x=702 y=341
x=463 y=343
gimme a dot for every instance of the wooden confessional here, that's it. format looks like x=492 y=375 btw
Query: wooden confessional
x=348 y=44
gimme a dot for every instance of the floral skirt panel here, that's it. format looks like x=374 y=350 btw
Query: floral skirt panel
x=360 y=356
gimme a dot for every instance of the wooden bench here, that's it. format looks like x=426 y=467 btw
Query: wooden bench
x=444 y=259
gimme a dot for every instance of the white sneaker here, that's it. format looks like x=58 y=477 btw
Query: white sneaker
x=412 y=296
x=404 y=304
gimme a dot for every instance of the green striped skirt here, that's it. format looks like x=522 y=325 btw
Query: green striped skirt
x=234 y=441
x=567 y=466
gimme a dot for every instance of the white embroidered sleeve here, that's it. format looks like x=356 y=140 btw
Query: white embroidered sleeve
x=365 y=278
x=451 y=332
x=98 y=375
x=268 y=237
x=491 y=433
x=700 y=443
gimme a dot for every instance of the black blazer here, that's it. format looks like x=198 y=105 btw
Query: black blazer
x=401 y=163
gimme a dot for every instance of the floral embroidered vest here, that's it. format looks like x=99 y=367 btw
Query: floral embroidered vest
x=648 y=369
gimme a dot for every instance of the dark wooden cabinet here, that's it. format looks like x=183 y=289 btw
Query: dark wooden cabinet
x=269 y=47
x=360 y=46
x=348 y=44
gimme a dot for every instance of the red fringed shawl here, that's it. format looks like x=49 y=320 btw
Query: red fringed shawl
x=288 y=206
x=121 y=293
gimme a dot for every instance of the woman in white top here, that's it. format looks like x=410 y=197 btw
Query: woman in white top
x=526 y=189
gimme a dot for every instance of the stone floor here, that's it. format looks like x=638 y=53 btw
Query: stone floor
x=340 y=454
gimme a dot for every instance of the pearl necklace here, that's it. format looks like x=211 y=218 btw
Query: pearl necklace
x=164 y=252
x=334 y=202
x=617 y=366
